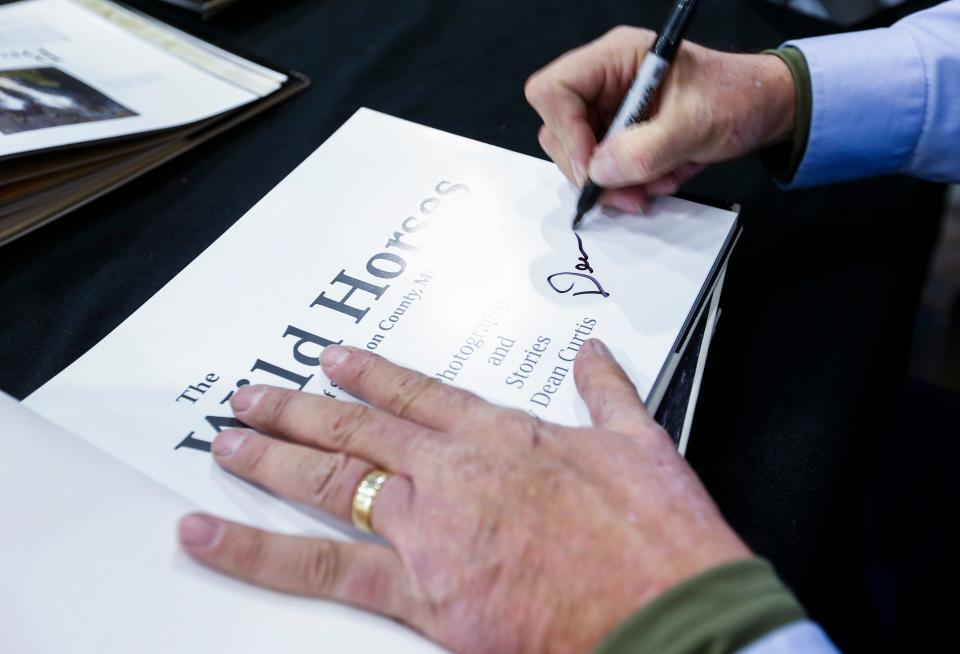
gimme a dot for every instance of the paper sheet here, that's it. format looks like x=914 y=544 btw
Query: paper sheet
x=443 y=254
x=91 y=565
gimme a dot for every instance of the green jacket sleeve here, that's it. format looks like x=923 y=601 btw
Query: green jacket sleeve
x=784 y=159
x=719 y=611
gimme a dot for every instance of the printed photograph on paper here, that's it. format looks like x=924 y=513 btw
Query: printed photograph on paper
x=37 y=98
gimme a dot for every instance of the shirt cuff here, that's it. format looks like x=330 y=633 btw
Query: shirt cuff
x=859 y=127
x=784 y=159
x=721 y=610
x=803 y=636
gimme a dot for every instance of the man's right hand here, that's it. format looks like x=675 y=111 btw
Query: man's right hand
x=712 y=107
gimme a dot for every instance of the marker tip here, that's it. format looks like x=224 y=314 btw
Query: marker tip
x=576 y=220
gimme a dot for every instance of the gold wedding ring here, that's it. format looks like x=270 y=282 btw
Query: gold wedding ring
x=364 y=498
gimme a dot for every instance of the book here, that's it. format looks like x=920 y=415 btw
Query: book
x=90 y=565
x=93 y=94
x=446 y=255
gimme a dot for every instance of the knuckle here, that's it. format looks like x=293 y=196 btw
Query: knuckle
x=670 y=184
x=655 y=432
x=628 y=36
x=512 y=420
x=279 y=406
x=599 y=377
x=324 y=479
x=363 y=363
x=461 y=402
x=534 y=88
x=409 y=393
x=250 y=555
x=614 y=381
x=637 y=36
x=517 y=424
x=348 y=422
x=633 y=159
x=658 y=430
x=621 y=31
x=605 y=408
x=638 y=161
x=543 y=136
x=254 y=457
x=320 y=566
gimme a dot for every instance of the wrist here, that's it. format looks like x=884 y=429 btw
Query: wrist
x=779 y=99
x=753 y=103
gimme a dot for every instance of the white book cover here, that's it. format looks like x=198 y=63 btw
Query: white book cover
x=443 y=254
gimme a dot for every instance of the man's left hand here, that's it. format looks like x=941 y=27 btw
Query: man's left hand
x=506 y=533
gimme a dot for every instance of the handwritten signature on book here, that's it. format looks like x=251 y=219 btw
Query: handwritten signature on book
x=584 y=267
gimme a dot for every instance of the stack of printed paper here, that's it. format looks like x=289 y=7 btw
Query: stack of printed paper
x=93 y=94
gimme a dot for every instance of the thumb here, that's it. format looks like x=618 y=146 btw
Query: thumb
x=608 y=392
x=641 y=153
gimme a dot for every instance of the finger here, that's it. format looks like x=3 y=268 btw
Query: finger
x=609 y=394
x=329 y=424
x=629 y=199
x=637 y=199
x=403 y=392
x=567 y=118
x=644 y=152
x=551 y=145
x=583 y=84
x=599 y=73
x=665 y=184
x=361 y=574
x=671 y=182
x=324 y=480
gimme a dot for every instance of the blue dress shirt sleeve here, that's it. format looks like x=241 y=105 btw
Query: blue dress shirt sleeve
x=885 y=101
x=801 y=637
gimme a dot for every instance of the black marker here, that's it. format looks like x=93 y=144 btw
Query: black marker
x=636 y=105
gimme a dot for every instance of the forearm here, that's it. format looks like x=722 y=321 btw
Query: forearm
x=881 y=102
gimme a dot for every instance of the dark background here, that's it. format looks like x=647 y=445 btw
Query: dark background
x=802 y=434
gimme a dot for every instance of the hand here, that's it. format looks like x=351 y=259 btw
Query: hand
x=713 y=106
x=506 y=534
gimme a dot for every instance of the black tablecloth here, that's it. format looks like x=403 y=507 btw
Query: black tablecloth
x=819 y=298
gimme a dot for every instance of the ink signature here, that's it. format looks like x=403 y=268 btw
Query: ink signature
x=584 y=257
x=585 y=267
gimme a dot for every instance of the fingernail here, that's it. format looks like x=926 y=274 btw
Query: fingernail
x=199 y=531
x=604 y=169
x=333 y=355
x=598 y=347
x=228 y=442
x=246 y=397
